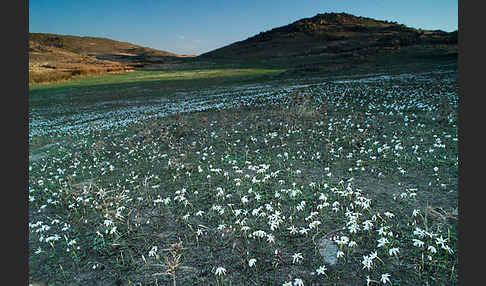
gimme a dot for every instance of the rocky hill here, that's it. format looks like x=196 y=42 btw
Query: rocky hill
x=331 y=35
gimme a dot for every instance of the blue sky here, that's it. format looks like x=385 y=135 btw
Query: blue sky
x=195 y=27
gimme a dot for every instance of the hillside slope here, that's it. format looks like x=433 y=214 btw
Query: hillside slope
x=55 y=57
x=90 y=45
x=331 y=35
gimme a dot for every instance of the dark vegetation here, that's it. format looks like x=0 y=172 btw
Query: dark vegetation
x=332 y=35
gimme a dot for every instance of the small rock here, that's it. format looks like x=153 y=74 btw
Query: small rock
x=88 y=183
x=328 y=249
x=36 y=283
x=37 y=157
x=165 y=235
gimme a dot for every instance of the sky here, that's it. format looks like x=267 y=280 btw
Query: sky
x=195 y=27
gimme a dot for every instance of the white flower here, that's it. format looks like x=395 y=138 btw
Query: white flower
x=440 y=240
x=321 y=206
x=418 y=243
x=297 y=257
x=298 y=282
x=321 y=270
x=303 y=230
x=367 y=262
x=314 y=224
x=382 y=230
x=288 y=283
x=301 y=206
x=293 y=229
x=259 y=233
x=353 y=228
x=382 y=241
x=220 y=271
x=153 y=251
x=432 y=249
x=367 y=225
x=419 y=232
x=368 y=280
x=322 y=197
x=393 y=251
x=339 y=254
x=385 y=278
x=237 y=212
x=252 y=262
x=448 y=249
x=415 y=212
x=270 y=238
x=373 y=255
x=389 y=214
x=343 y=240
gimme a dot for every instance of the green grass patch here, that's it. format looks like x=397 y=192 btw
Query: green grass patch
x=140 y=76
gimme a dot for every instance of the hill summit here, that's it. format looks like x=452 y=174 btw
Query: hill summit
x=330 y=34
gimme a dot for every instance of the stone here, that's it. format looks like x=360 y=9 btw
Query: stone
x=328 y=249
x=37 y=157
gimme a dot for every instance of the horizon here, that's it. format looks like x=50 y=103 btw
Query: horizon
x=196 y=27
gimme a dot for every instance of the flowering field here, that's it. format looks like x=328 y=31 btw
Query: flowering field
x=322 y=181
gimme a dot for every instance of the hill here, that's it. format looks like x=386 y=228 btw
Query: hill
x=55 y=57
x=90 y=45
x=332 y=35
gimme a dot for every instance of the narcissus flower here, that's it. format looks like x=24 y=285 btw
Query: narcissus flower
x=220 y=271
x=321 y=270
x=385 y=278
x=252 y=262
x=297 y=257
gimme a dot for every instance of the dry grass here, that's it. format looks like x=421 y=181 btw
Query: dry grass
x=303 y=107
x=60 y=75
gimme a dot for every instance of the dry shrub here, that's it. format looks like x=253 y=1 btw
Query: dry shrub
x=45 y=77
x=89 y=70
x=304 y=107
x=445 y=110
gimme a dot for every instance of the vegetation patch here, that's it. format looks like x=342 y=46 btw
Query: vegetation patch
x=248 y=183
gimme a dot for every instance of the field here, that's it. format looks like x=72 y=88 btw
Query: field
x=245 y=177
